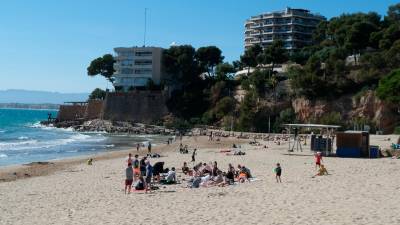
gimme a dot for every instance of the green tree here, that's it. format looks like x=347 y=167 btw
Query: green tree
x=103 y=66
x=258 y=80
x=250 y=57
x=188 y=99
x=224 y=71
x=358 y=37
x=274 y=54
x=98 y=94
x=389 y=86
x=393 y=14
x=208 y=57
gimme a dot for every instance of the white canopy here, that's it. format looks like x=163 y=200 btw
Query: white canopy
x=310 y=125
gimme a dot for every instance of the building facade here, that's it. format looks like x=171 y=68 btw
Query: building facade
x=135 y=66
x=293 y=26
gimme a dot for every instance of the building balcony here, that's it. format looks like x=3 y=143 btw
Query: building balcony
x=256 y=26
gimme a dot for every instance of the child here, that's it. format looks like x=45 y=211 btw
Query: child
x=129 y=178
x=278 y=172
x=322 y=171
x=90 y=161
x=318 y=160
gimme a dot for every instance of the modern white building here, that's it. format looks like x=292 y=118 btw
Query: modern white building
x=293 y=26
x=135 y=66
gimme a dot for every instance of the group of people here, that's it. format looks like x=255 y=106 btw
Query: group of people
x=205 y=175
x=140 y=174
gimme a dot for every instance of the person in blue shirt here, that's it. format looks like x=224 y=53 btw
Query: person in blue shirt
x=149 y=173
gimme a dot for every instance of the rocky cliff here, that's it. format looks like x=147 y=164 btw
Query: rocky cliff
x=366 y=107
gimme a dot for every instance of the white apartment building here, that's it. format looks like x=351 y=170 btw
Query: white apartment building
x=293 y=26
x=134 y=66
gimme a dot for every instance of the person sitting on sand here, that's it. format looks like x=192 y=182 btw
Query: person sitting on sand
x=218 y=179
x=214 y=170
x=158 y=168
x=129 y=178
x=243 y=169
x=242 y=177
x=140 y=184
x=322 y=171
x=171 y=177
x=185 y=168
x=90 y=161
x=205 y=180
x=206 y=168
x=278 y=172
x=230 y=175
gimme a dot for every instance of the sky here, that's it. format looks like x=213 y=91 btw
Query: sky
x=47 y=45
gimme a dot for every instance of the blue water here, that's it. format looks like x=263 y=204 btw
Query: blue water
x=24 y=140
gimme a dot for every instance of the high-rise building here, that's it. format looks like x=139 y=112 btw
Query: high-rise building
x=293 y=26
x=135 y=66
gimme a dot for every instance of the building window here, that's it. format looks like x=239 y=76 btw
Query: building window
x=126 y=71
x=143 y=62
x=126 y=62
x=143 y=71
x=144 y=53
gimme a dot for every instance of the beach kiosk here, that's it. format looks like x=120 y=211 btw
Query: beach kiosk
x=355 y=144
x=322 y=142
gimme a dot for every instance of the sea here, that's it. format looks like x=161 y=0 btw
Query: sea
x=23 y=139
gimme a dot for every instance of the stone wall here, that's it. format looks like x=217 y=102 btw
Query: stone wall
x=71 y=112
x=94 y=110
x=138 y=106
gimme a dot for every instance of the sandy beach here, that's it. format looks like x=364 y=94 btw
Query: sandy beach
x=358 y=191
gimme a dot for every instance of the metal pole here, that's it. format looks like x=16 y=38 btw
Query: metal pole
x=145 y=27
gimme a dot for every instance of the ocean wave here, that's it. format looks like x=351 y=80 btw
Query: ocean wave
x=3 y=156
x=48 y=127
x=23 y=138
x=35 y=144
x=2 y=131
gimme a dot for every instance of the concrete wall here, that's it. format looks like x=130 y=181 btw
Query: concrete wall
x=71 y=112
x=139 y=106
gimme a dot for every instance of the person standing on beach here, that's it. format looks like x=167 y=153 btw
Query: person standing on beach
x=136 y=165
x=142 y=165
x=129 y=178
x=129 y=159
x=137 y=147
x=278 y=172
x=149 y=174
x=149 y=147
x=194 y=155
x=318 y=160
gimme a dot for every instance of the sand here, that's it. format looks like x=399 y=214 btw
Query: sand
x=358 y=191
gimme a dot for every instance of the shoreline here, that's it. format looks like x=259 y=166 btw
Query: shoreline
x=15 y=172
x=10 y=173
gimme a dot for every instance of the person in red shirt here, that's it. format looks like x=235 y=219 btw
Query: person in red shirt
x=318 y=160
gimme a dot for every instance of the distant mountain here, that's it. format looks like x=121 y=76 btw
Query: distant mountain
x=39 y=97
x=28 y=106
